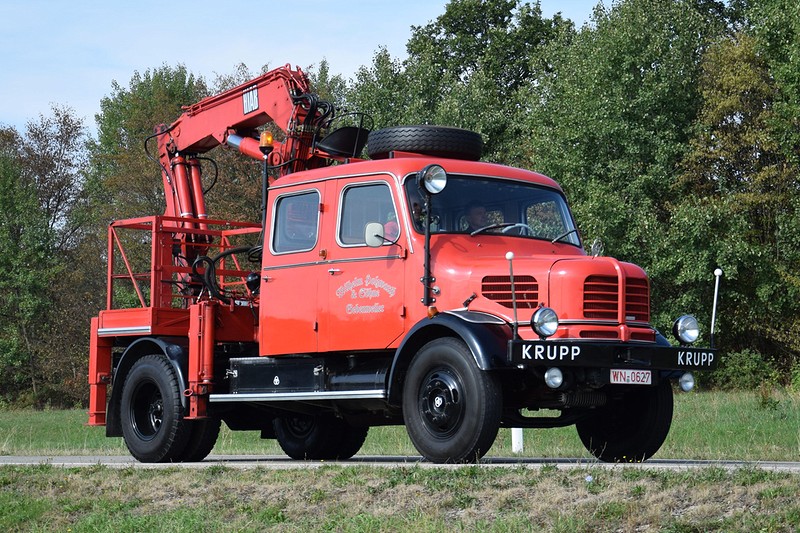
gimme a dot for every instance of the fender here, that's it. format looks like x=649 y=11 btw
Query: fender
x=486 y=336
x=176 y=352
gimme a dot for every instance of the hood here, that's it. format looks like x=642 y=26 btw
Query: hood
x=476 y=274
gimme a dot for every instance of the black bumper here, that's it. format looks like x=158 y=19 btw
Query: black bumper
x=610 y=355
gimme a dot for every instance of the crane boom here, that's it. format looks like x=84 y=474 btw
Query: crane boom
x=282 y=96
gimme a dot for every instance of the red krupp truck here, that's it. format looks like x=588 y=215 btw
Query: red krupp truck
x=419 y=287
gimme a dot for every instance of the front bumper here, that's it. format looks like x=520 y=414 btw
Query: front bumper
x=525 y=353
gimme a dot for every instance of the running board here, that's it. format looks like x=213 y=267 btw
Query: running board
x=378 y=394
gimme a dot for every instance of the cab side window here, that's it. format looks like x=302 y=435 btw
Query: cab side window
x=362 y=204
x=296 y=223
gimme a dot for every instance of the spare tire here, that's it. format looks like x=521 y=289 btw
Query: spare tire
x=435 y=141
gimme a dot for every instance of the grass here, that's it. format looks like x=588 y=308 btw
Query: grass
x=346 y=498
x=745 y=426
x=718 y=425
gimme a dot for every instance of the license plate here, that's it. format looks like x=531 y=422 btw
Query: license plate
x=632 y=377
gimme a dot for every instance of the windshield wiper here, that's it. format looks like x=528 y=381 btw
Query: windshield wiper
x=491 y=226
x=570 y=232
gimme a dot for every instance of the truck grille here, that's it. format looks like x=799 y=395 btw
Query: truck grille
x=637 y=299
x=601 y=298
x=498 y=289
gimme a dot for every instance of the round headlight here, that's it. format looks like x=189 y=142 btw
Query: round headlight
x=553 y=378
x=544 y=322
x=433 y=178
x=686 y=329
x=686 y=382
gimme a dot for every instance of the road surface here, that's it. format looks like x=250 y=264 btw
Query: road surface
x=281 y=462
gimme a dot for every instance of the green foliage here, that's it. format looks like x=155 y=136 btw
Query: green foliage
x=464 y=69
x=611 y=114
x=381 y=90
x=125 y=182
x=28 y=267
x=776 y=25
x=745 y=370
x=738 y=187
x=328 y=86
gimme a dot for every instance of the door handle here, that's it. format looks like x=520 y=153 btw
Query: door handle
x=333 y=271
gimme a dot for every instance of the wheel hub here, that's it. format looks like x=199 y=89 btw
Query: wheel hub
x=156 y=414
x=147 y=411
x=440 y=403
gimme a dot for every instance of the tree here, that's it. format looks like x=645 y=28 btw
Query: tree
x=29 y=268
x=381 y=90
x=328 y=86
x=610 y=115
x=125 y=182
x=776 y=27
x=497 y=37
x=45 y=226
x=54 y=157
x=739 y=186
x=464 y=69
x=474 y=59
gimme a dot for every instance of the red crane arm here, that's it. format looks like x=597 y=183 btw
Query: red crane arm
x=269 y=97
x=281 y=96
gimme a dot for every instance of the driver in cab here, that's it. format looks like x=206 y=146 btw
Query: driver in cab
x=476 y=217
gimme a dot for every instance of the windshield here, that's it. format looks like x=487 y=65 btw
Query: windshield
x=486 y=206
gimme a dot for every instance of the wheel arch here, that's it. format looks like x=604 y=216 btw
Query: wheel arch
x=176 y=352
x=487 y=342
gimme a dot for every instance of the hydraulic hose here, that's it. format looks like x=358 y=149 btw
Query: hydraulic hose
x=209 y=276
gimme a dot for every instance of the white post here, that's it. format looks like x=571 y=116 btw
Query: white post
x=717 y=275
x=516 y=440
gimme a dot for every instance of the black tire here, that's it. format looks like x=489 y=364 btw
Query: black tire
x=630 y=429
x=202 y=438
x=451 y=408
x=151 y=411
x=352 y=439
x=436 y=141
x=318 y=437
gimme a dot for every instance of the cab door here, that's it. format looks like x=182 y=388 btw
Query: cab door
x=290 y=273
x=363 y=307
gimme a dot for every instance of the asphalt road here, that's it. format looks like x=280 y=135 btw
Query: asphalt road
x=281 y=462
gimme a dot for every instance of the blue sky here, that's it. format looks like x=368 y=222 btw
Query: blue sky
x=68 y=53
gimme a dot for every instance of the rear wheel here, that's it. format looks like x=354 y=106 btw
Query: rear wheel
x=629 y=429
x=202 y=438
x=318 y=437
x=151 y=411
x=451 y=408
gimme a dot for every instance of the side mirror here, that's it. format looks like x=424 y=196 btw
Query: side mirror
x=373 y=235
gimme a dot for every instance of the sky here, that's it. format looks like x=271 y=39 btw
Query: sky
x=68 y=53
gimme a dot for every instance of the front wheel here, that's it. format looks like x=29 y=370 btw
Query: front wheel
x=631 y=428
x=151 y=411
x=451 y=408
